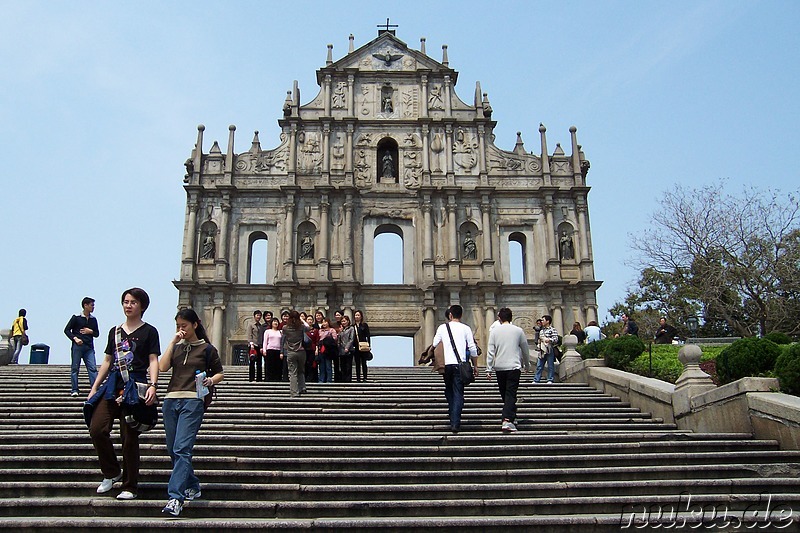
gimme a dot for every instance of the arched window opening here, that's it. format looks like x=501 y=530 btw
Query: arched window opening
x=257 y=260
x=388 y=254
x=517 y=259
x=388 y=161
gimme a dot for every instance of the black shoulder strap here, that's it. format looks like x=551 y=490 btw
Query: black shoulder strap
x=453 y=342
x=208 y=358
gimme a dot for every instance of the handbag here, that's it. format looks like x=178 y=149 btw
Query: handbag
x=363 y=346
x=24 y=339
x=464 y=367
x=438 y=358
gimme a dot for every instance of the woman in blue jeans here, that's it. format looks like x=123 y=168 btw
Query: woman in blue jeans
x=188 y=353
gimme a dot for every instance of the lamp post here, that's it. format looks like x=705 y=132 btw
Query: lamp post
x=692 y=324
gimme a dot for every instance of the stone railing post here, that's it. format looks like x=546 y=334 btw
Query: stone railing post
x=570 y=357
x=692 y=382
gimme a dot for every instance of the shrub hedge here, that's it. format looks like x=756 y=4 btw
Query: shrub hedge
x=747 y=357
x=778 y=338
x=787 y=369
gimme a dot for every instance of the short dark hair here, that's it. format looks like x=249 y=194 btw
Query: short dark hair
x=548 y=318
x=504 y=314
x=284 y=313
x=265 y=313
x=257 y=312
x=456 y=311
x=87 y=301
x=140 y=295
x=22 y=312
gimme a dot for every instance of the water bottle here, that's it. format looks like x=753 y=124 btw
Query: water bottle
x=199 y=378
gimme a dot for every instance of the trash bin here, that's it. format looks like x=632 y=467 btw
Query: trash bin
x=40 y=354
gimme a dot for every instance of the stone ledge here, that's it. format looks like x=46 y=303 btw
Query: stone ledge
x=732 y=390
x=775 y=405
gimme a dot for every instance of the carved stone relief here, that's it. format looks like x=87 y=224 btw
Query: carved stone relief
x=465 y=151
x=437 y=149
x=337 y=153
x=412 y=169
x=435 y=100
x=363 y=166
x=309 y=155
x=365 y=100
x=410 y=99
x=339 y=97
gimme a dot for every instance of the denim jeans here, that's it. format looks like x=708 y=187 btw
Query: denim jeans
x=454 y=392
x=182 y=419
x=508 y=383
x=551 y=362
x=86 y=353
x=17 y=348
x=325 y=369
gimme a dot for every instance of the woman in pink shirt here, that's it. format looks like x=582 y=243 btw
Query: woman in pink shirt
x=272 y=349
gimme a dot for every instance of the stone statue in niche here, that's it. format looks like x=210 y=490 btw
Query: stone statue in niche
x=566 y=247
x=307 y=247
x=339 y=93
x=387 y=166
x=470 y=250
x=209 y=246
x=189 y=164
x=386 y=104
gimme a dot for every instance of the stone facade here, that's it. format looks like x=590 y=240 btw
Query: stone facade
x=387 y=146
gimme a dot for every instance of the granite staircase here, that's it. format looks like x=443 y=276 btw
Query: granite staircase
x=379 y=456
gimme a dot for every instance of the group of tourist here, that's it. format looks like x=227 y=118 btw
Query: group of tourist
x=329 y=348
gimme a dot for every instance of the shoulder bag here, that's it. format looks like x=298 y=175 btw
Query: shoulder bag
x=464 y=367
x=363 y=347
x=212 y=389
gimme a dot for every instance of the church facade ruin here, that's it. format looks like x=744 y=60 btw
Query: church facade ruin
x=387 y=146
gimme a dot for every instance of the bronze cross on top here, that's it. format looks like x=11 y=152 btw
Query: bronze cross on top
x=385 y=27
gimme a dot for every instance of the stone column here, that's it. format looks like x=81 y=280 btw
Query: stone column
x=583 y=231
x=348 y=242
x=350 y=95
x=486 y=209
x=482 y=148
x=327 y=95
x=424 y=95
x=451 y=228
x=426 y=164
x=430 y=324
x=326 y=151
x=191 y=232
x=221 y=261
x=348 y=157
x=292 y=166
x=552 y=253
x=216 y=328
x=324 y=208
x=558 y=319
x=449 y=149
x=288 y=256
x=427 y=229
x=448 y=108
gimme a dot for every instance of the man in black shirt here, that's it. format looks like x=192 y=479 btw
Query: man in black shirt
x=81 y=331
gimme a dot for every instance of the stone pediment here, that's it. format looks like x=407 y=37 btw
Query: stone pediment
x=386 y=53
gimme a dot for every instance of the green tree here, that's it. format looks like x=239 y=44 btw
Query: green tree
x=734 y=259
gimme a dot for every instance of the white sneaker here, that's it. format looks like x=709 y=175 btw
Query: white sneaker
x=508 y=427
x=126 y=495
x=107 y=484
x=173 y=507
x=192 y=494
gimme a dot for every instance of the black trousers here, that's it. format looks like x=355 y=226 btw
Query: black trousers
x=508 y=383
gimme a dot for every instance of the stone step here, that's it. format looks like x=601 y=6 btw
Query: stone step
x=108 y=507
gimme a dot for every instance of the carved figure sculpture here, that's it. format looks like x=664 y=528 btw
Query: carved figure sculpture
x=470 y=250
x=307 y=247
x=209 y=246
x=386 y=104
x=566 y=246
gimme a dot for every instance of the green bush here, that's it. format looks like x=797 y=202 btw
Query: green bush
x=747 y=357
x=778 y=338
x=666 y=365
x=619 y=352
x=592 y=350
x=787 y=369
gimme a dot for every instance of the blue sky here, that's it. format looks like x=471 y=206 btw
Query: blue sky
x=99 y=104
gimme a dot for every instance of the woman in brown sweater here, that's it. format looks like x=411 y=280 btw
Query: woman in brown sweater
x=188 y=354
